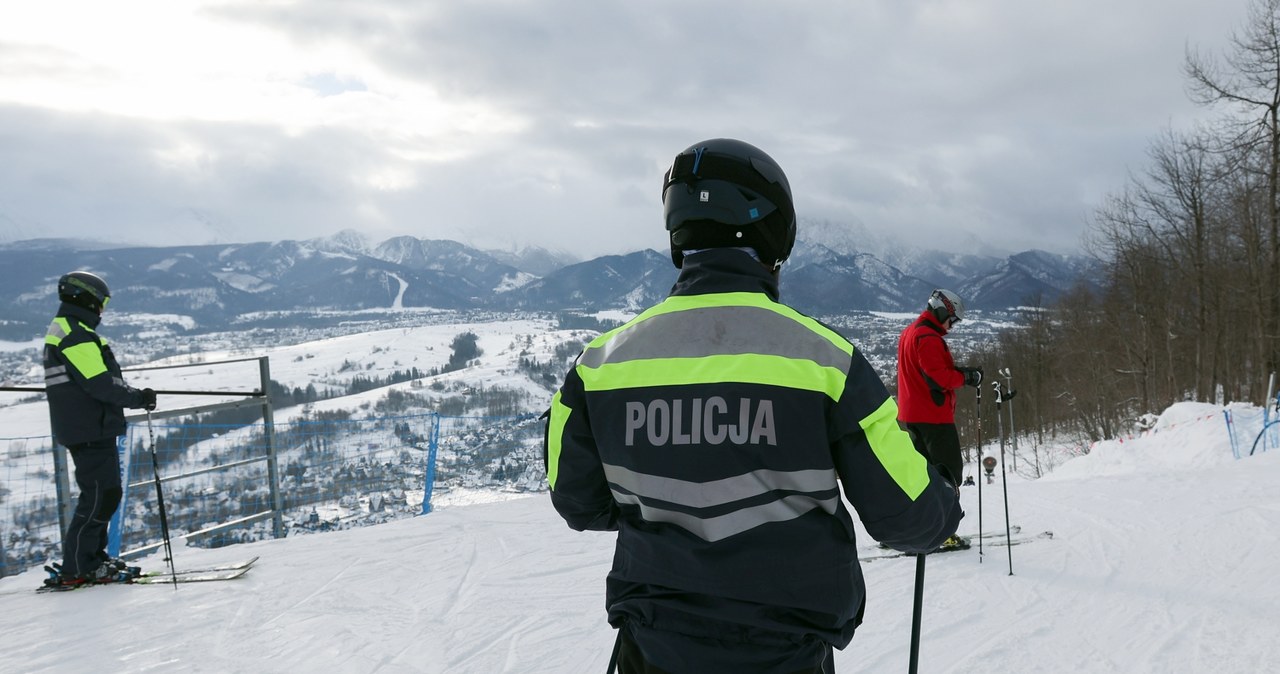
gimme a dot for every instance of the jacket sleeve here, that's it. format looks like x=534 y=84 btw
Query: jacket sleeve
x=939 y=369
x=579 y=490
x=902 y=501
x=87 y=366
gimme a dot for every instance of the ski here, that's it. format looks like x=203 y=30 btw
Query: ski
x=1023 y=539
x=232 y=566
x=216 y=572
x=1015 y=529
x=995 y=543
x=189 y=577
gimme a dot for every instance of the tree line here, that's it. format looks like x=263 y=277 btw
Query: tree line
x=1187 y=306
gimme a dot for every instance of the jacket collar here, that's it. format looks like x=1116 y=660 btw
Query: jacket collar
x=724 y=270
x=928 y=319
x=89 y=318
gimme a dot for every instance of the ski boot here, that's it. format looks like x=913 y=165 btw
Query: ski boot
x=122 y=569
x=953 y=543
x=109 y=571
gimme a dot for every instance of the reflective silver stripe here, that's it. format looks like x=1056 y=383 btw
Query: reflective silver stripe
x=713 y=529
x=709 y=331
x=117 y=381
x=56 y=330
x=719 y=492
x=56 y=375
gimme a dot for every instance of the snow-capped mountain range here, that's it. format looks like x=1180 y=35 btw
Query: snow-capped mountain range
x=215 y=284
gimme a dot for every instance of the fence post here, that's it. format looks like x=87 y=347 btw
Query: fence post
x=1231 y=434
x=1267 y=406
x=269 y=436
x=433 y=443
x=1271 y=390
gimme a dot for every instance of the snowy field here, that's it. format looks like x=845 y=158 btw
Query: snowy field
x=328 y=364
x=1161 y=564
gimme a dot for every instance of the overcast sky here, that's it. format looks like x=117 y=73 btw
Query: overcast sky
x=550 y=122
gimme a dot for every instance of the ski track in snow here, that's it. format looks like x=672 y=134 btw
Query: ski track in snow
x=1165 y=570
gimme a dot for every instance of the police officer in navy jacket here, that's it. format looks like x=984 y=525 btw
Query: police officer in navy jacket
x=87 y=396
x=716 y=432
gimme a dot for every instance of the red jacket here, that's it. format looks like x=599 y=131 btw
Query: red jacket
x=927 y=376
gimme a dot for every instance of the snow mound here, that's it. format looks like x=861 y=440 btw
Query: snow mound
x=1187 y=436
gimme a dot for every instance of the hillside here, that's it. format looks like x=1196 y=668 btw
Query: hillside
x=331 y=364
x=1155 y=566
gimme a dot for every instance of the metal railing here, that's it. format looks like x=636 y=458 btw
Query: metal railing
x=223 y=482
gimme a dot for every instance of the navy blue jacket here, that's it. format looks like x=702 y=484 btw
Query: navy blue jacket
x=713 y=432
x=87 y=394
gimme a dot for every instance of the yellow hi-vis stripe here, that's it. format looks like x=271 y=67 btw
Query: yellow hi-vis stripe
x=893 y=447
x=750 y=368
x=87 y=358
x=58 y=330
x=555 y=438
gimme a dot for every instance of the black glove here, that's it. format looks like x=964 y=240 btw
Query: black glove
x=972 y=376
x=148 y=399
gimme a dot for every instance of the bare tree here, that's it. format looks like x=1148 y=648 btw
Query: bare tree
x=1247 y=79
x=1187 y=304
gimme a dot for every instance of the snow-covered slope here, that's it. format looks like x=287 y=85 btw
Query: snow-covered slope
x=1167 y=567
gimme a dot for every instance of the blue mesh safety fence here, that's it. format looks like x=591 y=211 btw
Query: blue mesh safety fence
x=1243 y=427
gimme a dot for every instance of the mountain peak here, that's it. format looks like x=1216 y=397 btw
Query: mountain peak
x=345 y=241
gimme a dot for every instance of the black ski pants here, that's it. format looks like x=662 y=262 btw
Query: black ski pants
x=940 y=444
x=686 y=654
x=97 y=470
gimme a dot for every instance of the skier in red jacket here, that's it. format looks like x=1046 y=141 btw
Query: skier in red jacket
x=927 y=383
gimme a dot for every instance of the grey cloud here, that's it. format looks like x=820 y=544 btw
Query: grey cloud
x=949 y=120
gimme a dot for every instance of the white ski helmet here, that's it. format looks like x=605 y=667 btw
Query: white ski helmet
x=946 y=305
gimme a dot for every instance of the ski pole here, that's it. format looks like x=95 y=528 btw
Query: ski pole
x=617 y=645
x=1001 y=396
x=915 y=616
x=164 y=522
x=1013 y=433
x=979 y=467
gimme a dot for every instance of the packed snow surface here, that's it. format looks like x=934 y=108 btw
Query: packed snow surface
x=1165 y=566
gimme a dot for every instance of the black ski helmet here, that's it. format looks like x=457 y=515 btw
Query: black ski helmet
x=945 y=304
x=721 y=193
x=84 y=289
